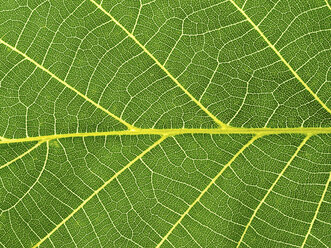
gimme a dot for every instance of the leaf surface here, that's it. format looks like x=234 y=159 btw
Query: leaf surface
x=165 y=123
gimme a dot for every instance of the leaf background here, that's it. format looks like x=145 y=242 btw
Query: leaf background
x=165 y=123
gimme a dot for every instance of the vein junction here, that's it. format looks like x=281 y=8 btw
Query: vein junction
x=220 y=123
x=164 y=133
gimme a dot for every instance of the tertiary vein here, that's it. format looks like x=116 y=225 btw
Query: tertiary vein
x=258 y=132
x=280 y=56
x=220 y=123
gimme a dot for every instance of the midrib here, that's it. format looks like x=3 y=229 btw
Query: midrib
x=225 y=129
x=173 y=132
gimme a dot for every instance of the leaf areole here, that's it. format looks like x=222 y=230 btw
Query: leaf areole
x=165 y=123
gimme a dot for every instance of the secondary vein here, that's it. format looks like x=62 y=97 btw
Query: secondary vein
x=271 y=188
x=317 y=210
x=129 y=126
x=99 y=189
x=35 y=182
x=281 y=57
x=206 y=189
x=22 y=155
x=220 y=123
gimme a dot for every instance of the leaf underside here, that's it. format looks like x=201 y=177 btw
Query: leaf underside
x=178 y=123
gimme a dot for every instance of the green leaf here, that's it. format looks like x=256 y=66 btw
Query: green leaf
x=180 y=123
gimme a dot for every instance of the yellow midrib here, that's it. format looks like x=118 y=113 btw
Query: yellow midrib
x=259 y=132
x=173 y=132
x=226 y=129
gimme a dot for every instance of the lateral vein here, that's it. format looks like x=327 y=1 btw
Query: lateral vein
x=22 y=155
x=206 y=189
x=220 y=123
x=99 y=189
x=129 y=126
x=35 y=182
x=271 y=188
x=317 y=210
x=280 y=56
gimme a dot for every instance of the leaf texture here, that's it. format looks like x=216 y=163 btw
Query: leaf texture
x=161 y=123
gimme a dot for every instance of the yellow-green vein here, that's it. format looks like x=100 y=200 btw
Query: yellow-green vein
x=35 y=182
x=173 y=132
x=22 y=155
x=99 y=189
x=129 y=126
x=220 y=123
x=280 y=56
x=271 y=188
x=317 y=210
x=206 y=189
